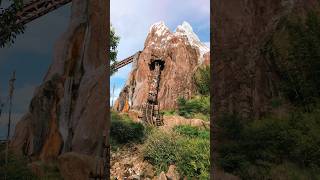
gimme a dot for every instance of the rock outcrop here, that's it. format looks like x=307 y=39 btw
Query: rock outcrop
x=182 y=52
x=244 y=79
x=68 y=110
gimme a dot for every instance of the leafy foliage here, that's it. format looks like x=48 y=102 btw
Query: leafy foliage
x=188 y=148
x=114 y=41
x=124 y=130
x=261 y=145
x=17 y=167
x=8 y=27
x=192 y=132
x=297 y=59
x=160 y=149
x=201 y=79
x=195 y=106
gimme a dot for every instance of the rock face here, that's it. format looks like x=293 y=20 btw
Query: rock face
x=68 y=111
x=74 y=166
x=244 y=79
x=182 y=52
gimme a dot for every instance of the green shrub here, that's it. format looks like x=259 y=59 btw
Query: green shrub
x=294 y=52
x=161 y=149
x=169 y=112
x=201 y=79
x=193 y=157
x=124 y=130
x=17 y=167
x=190 y=155
x=192 y=132
x=195 y=106
x=252 y=149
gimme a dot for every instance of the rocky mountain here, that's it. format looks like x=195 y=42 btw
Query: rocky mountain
x=68 y=111
x=182 y=52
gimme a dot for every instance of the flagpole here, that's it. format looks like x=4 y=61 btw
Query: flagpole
x=11 y=89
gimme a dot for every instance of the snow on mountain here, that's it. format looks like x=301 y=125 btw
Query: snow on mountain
x=160 y=32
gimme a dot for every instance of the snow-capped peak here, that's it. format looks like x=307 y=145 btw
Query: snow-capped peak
x=160 y=28
x=161 y=31
x=186 y=30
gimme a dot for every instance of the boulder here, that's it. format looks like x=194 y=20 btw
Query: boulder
x=75 y=166
x=172 y=173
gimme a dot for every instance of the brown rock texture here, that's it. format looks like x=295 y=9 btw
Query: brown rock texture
x=174 y=120
x=182 y=52
x=68 y=110
x=74 y=166
x=243 y=79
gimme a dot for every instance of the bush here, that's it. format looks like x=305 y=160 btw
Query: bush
x=252 y=149
x=201 y=79
x=124 y=130
x=190 y=155
x=193 y=157
x=192 y=132
x=17 y=167
x=161 y=150
x=169 y=112
x=199 y=106
x=294 y=50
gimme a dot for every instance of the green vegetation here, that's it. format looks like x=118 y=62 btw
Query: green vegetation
x=286 y=147
x=294 y=50
x=187 y=147
x=18 y=168
x=169 y=112
x=8 y=27
x=124 y=130
x=197 y=107
x=201 y=79
x=192 y=132
x=257 y=149
x=114 y=41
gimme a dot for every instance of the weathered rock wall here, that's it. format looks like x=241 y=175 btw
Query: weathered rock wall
x=182 y=53
x=68 y=110
x=244 y=80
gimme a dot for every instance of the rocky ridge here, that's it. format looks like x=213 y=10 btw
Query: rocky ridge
x=182 y=52
x=68 y=112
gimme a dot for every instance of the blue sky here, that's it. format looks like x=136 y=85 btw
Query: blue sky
x=30 y=56
x=132 y=20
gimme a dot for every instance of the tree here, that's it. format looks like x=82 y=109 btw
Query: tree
x=114 y=41
x=201 y=79
x=9 y=29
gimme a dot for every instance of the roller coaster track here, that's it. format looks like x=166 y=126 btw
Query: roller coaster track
x=35 y=9
x=126 y=61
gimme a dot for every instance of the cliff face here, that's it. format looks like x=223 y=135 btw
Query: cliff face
x=68 y=110
x=182 y=52
x=244 y=79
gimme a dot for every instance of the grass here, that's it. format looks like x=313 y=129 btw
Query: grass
x=196 y=107
x=270 y=147
x=123 y=130
x=18 y=168
x=186 y=147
